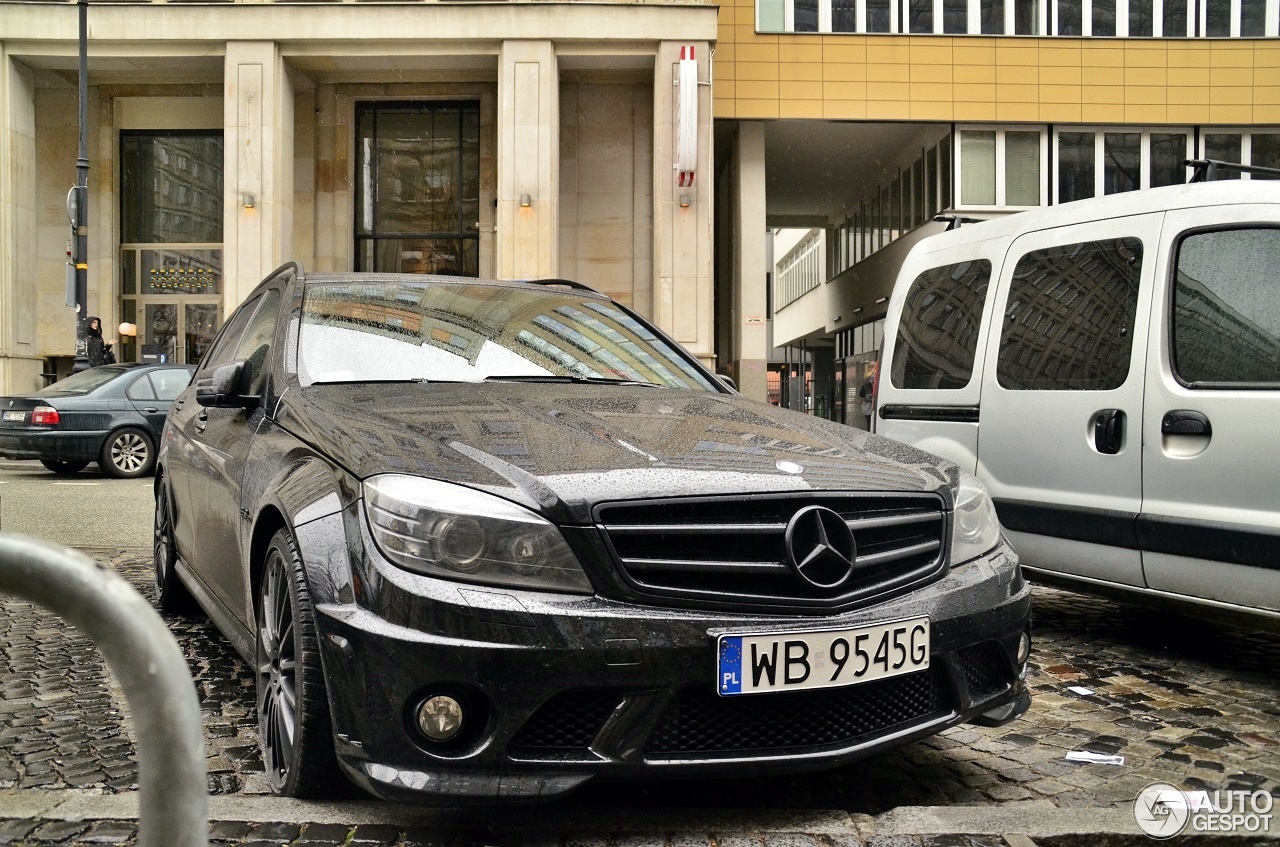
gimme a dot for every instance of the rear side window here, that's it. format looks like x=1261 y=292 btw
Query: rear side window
x=1226 y=309
x=938 y=330
x=1068 y=325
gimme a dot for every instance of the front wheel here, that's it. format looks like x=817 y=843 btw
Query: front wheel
x=171 y=595
x=293 y=709
x=60 y=467
x=127 y=453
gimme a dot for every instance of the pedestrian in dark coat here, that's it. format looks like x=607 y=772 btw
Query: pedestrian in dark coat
x=99 y=351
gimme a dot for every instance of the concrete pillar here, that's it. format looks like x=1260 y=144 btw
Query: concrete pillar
x=20 y=362
x=750 y=346
x=257 y=166
x=527 y=245
x=683 y=291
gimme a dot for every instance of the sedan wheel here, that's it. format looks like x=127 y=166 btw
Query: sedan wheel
x=293 y=710
x=171 y=595
x=127 y=453
x=63 y=467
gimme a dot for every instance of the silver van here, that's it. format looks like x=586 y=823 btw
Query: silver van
x=1110 y=368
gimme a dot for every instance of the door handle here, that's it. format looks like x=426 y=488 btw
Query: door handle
x=1185 y=422
x=1108 y=431
x=150 y=410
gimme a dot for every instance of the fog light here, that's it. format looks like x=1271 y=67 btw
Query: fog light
x=440 y=717
x=1024 y=648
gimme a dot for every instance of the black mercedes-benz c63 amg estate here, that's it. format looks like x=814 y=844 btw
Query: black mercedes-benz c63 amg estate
x=488 y=540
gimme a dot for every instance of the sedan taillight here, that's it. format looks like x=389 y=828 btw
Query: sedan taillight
x=45 y=415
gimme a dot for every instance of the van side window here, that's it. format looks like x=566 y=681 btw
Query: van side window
x=1226 y=309
x=938 y=331
x=1068 y=324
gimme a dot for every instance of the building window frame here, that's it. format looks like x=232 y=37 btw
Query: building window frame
x=1001 y=166
x=1100 y=151
x=1246 y=145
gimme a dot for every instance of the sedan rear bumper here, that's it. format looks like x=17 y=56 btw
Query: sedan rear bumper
x=558 y=689
x=51 y=444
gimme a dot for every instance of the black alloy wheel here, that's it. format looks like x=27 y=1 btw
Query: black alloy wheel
x=293 y=710
x=171 y=595
x=59 y=466
x=127 y=453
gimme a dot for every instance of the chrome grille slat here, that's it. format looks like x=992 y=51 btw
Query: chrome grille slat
x=732 y=551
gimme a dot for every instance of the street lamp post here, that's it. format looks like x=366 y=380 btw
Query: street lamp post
x=80 y=208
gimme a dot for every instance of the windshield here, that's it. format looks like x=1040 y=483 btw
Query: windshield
x=460 y=332
x=81 y=383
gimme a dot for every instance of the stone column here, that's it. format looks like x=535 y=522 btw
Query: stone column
x=527 y=244
x=20 y=363
x=683 y=303
x=257 y=166
x=750 y=345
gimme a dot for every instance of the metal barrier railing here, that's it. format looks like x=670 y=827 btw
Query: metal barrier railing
x=143 y=655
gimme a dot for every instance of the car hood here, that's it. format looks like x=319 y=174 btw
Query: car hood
x=561 y=448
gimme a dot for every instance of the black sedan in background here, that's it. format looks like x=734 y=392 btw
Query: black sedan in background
x=488 y=540
x=112 y=415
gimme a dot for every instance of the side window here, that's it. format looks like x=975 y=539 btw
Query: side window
x=141 y=389
x=170 y=382
x=255 y=344
x=1068 y=325
x=224 y=346
x=1226 y=309
x=938 y=330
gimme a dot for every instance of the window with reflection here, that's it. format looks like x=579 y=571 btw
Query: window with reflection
x=939 y=327
x=418 y=187
x=1226 y=309
x=470 y=332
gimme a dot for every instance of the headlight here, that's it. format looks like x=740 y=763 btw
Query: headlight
x=447 y=530
x=977 y=529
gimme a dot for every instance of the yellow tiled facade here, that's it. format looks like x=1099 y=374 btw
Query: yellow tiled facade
x=982 y=79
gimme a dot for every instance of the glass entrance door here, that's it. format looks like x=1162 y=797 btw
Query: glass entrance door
x=177 y=332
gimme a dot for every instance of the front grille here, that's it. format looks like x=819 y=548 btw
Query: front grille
x=732 y=550
x=700 y=721
x=568 y=721
x=986 y=669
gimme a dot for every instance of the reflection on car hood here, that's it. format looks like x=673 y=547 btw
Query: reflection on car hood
x=562 y=448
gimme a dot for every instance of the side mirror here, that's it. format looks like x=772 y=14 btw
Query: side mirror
x=727 y=380
x=225 y=388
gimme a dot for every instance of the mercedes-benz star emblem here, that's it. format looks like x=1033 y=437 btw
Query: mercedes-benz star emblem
x=820 y=547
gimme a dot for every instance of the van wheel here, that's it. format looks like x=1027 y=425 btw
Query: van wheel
x=58 y=466
x=171 y=595
x=127 y=453
x=293 y=708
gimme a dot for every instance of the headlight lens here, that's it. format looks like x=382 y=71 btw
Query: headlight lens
x=447 y=530
x=977 y=529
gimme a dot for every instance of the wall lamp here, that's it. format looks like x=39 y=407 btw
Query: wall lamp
x=525 y=201
x=685 y=201
x=247 y=200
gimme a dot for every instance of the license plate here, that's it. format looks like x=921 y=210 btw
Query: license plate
x=753 y=663
x=15 y=416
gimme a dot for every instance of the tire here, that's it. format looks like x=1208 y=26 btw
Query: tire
x=127 y=453
x=171 y=595
x=58 y=466
x=290 y=681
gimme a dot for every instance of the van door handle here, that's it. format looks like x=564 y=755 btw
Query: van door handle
x=1108 y=431
x=1185 y=422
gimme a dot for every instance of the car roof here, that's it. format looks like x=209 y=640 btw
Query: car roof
x=1191 y=195
x=380 y=277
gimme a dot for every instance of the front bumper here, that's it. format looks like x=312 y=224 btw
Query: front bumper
x=54 y=445
x=559 y=689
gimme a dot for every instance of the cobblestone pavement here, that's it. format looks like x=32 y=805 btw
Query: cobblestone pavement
x=1191 y=703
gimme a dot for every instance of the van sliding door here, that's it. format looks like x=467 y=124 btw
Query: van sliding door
x=1059 y=442
x=1210 y=522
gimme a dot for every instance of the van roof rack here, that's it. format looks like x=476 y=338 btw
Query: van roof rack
x=1207 y=169
x=955 y=221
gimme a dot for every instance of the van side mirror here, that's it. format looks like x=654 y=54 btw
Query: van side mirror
x=225 y=387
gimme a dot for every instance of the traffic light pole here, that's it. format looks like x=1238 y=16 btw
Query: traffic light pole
x=80 y=224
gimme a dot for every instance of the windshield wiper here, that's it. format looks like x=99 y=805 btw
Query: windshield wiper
x=591 y=380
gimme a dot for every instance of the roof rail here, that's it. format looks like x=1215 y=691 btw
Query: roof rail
x=568 y=283
x=1207 y=169
x=955 y=221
